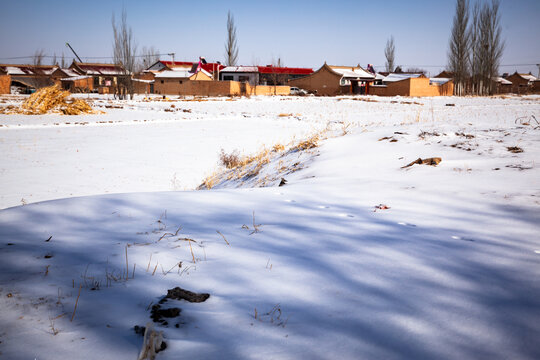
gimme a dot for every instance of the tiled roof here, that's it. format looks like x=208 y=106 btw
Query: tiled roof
x=284 y=70
x=398 y=77
x=352 y=72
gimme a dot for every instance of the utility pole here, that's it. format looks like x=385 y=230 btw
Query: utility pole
x=538 y=70
x=171 y=54
x=67 y=44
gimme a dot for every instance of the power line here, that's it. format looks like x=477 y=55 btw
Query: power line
x=84 y=57
x=168 y=54
x=439 y=66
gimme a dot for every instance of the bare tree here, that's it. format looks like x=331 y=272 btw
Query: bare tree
x=389 y=53
x=124 y=51
x=39 y=55
x=63 y=63
x=459 y=47
x=277 y=77
x=54 y=61
x=475 y=56
x=495 y=43
x=231 y=46
x=487 y=46
x=148 y=57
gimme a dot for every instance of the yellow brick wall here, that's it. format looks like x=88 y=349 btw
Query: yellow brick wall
x=417 y=87
x=214 y=88
x=5 y=84
x=269 y=90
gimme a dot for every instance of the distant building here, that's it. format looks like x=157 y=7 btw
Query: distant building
x=177 y=82
x=502 y=85
x=27 y=78
x=445 y=74
x=163 y=65
x=412 y=85
x=243 y=74
x=274 y=75
x=523 y=83
x=336 y=80
x=105 y=77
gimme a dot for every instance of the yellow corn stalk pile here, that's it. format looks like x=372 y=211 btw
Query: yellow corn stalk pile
x=53 y=100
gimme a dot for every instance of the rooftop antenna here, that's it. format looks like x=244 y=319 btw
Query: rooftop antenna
x=69 y=46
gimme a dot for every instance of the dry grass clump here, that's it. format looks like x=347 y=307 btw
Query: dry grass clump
x=230 y=161
x=247 y=167
x=278 y=148
x=234 y=161
x=52 y=99
x=310 y=143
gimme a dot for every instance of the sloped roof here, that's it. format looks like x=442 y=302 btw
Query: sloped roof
x=528 y=77
x=398 y=77
x=209 y=67
x=284 y=70
x=501 y=80
x=178 y=74
x=439 y=81
x=352 y=72
x=17 y=69
x=98 y=68
x=70 y=72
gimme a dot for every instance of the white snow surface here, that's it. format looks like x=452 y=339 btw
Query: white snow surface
x=309 y=270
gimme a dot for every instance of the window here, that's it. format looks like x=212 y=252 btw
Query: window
x=228 y=77
x=162 y=81
x=344 y=82
x=179 y=81
x=243 y=78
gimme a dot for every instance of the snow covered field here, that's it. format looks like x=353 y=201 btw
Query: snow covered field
x=355 y=257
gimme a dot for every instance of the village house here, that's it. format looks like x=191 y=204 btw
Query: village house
x=176 y=82
x=412 y=85
x=502 y=85
x=162 y=65
x=336 y=80
x=72 y=81
x=523 y=83
x=242 y=74
x=27 y=78
x=263 y=75
x=105 y=77
x=274 y=75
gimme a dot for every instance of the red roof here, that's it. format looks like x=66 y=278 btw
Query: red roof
x=210 y=67
x=284 y=70
x=176 y=63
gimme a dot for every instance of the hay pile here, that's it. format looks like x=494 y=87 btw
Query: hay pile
x=53 y=100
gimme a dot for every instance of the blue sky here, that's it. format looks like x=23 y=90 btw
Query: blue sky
x=301 y=33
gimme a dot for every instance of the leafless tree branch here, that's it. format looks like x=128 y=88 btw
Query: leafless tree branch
x=231 y=46
x=389 y=53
